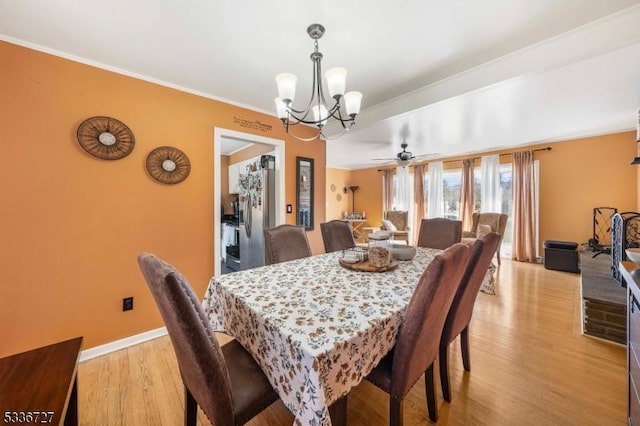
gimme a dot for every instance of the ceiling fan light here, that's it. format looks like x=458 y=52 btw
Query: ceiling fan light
x=281 y=108
x=320 y=113
x=286 y=86
x=336 y=81
x=352 y=101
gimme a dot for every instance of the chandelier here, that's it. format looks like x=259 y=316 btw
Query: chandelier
x=318 y=110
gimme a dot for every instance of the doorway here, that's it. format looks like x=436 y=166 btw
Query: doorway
x=219 y=135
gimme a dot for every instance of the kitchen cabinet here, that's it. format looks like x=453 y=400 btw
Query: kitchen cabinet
x=234 y=174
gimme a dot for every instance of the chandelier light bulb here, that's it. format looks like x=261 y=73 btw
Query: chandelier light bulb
x=320 y=113
x=336 y=81
x=281 y=109
x=286 y=86
x=352 y=101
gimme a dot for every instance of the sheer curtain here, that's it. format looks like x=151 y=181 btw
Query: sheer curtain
x=418 y=200
x=467 y=201
x=524 y=237
x=435 y=207
x=491 y=194
x=387 y=189
x=403 y=197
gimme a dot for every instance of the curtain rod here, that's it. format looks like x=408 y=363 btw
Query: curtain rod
x=501 y=155
x=548 y=148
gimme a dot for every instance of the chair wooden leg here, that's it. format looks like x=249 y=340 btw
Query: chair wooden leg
x=430 y=388
x=443 y=362
x=338 y=412
x=395 y=412
x=190 y=409
x=464 y=348
x=498 y=255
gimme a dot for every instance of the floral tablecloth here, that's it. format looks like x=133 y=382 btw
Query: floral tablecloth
x=316 y=328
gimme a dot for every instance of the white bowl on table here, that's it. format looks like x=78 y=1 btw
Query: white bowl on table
x=633 y=254
x=402 y=252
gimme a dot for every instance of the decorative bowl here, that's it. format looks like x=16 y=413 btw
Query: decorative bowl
x=633 y=254
x=403 y=252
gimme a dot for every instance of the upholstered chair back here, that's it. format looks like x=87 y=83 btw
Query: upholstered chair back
x=439 y=233
x=284 y=243
x=336 y=235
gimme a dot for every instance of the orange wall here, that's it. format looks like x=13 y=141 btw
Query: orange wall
x=335 y=208
x=72 y=225
x=368 y=195
x=581 y=174
x=575 y=176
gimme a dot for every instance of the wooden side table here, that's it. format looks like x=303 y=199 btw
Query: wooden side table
x=40 y=385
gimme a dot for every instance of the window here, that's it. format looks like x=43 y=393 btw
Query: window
x=452 y=184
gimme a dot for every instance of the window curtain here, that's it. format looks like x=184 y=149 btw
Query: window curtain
x=524 y=243
x=387 y=189
x=419 y=212
x=435 y=207
x=491 y=194
x=467 y=201
x=403 y=197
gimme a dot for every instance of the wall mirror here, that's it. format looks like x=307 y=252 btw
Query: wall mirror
x=304 y=192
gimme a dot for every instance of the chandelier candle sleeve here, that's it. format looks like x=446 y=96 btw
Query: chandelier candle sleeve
x=320 y=108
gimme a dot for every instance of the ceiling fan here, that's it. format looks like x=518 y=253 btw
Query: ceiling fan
x=404 y=157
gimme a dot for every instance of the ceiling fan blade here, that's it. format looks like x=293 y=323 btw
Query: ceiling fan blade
x=383 y=159
x=435 y=154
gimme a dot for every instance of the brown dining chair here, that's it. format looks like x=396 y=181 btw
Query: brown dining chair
x=439 y=233
x=336 y=235
x=419 y=335
x=284 y=243
x=224 y=381
x=459 y=316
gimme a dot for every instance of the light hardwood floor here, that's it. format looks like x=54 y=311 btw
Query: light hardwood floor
x=530 y=365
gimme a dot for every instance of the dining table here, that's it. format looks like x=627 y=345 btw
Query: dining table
x=315 y=327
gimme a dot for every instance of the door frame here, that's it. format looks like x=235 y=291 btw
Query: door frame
x=279 y=147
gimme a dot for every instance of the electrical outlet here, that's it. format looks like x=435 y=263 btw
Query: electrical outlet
x=289 y=208
x=127 y=304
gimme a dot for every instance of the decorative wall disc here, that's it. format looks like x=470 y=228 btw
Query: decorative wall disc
x=332 y=188
x=106 y=138
x=339 y=197
x=168 y=165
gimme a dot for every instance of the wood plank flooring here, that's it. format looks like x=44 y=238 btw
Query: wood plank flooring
x=530 y=365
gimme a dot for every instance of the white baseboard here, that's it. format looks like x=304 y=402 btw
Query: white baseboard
x=122 y=343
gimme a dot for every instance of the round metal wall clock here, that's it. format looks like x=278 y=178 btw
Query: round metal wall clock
x=168 y=165
x=106 y=138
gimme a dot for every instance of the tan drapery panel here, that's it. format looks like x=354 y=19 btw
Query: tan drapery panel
x=419 y=206
x=524 y=249
x=467 y=200
x=387 y=189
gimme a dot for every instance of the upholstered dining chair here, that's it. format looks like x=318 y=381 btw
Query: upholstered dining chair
x=224 y=381
x=397 y=223
x=284 y=243
x=459 y=316
x=483 y=223
x=419 y=335
x=439 y=233
x=336 y=235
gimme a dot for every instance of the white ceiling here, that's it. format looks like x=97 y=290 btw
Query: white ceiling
x=451 y=77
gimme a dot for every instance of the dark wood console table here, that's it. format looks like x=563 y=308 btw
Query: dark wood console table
x=40 y=385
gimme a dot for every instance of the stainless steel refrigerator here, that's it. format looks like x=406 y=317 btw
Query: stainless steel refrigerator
x=257 y=209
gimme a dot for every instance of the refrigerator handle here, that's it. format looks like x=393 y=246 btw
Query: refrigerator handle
x=247 y=214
